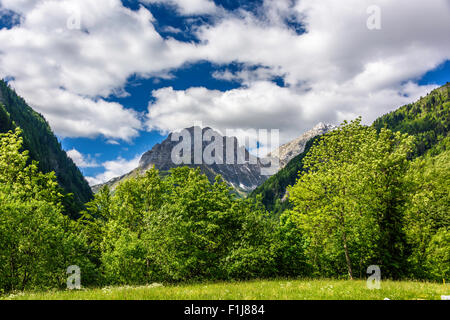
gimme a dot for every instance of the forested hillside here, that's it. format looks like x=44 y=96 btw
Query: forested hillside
x=358 y=202
x=273 y=190
x=427 y=119
x=361 y=200
x=43 y=146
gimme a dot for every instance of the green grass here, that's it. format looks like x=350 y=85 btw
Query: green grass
x=254 y=290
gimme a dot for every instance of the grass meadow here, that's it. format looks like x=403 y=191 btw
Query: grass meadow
x=253 y=290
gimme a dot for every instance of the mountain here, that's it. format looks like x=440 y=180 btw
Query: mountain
x=43 y=146
x=243 y=176
x=428 y=120
x=293 y=148
x=273 y=190
x=290 y=155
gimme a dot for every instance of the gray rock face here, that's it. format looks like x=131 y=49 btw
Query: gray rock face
x=239 y=168
x=289 y=150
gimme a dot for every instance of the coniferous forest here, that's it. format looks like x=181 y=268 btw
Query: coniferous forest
x=43 y=147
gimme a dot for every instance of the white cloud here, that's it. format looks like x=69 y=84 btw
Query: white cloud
x=72 y=115
x=247 y=75
x=66 y=73
x=264 y=105
x=189 y=7
x=19 y=6
x=80 y=160
x=337 y=45
x=114 y=142
x=338 y=69
x=114 y=168
x=173 y=30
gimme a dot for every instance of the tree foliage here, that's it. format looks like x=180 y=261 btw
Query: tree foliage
x=181 y=227
x=37 y=242
x=427 y=119
x=349 y=201
x=363 y=196
x=273 y=190
x=43 y=147
x=427 y=216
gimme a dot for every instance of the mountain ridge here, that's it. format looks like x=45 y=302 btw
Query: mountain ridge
x=42 y=144
x=428 y=119
x=291 y=149
x=243 y=177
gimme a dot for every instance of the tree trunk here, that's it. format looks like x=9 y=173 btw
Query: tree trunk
x=344 y=239
x=347 y=257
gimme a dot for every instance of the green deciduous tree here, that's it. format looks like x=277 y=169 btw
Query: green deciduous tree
x=37 y=242
x=427 y=217
x=349 y=201
x=182 y=227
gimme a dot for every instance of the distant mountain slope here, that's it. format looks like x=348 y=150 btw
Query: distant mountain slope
x=243 y=177
x=41 y=143
x=428 y=119
x=273 y=190
x=293 y=148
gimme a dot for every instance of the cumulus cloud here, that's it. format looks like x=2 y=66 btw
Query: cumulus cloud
x=80 y=160
x=72 y=115
x=337 y=69
x=19 y=6
x=114 y=168
x=189 y=7
x=337 y=46
x=264 y=105
x=66 y=72
x=248 y=74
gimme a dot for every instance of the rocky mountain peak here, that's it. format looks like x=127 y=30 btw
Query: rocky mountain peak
x=239 y=168
x=289 y=150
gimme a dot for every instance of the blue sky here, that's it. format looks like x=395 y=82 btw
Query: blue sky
x=114 y=77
